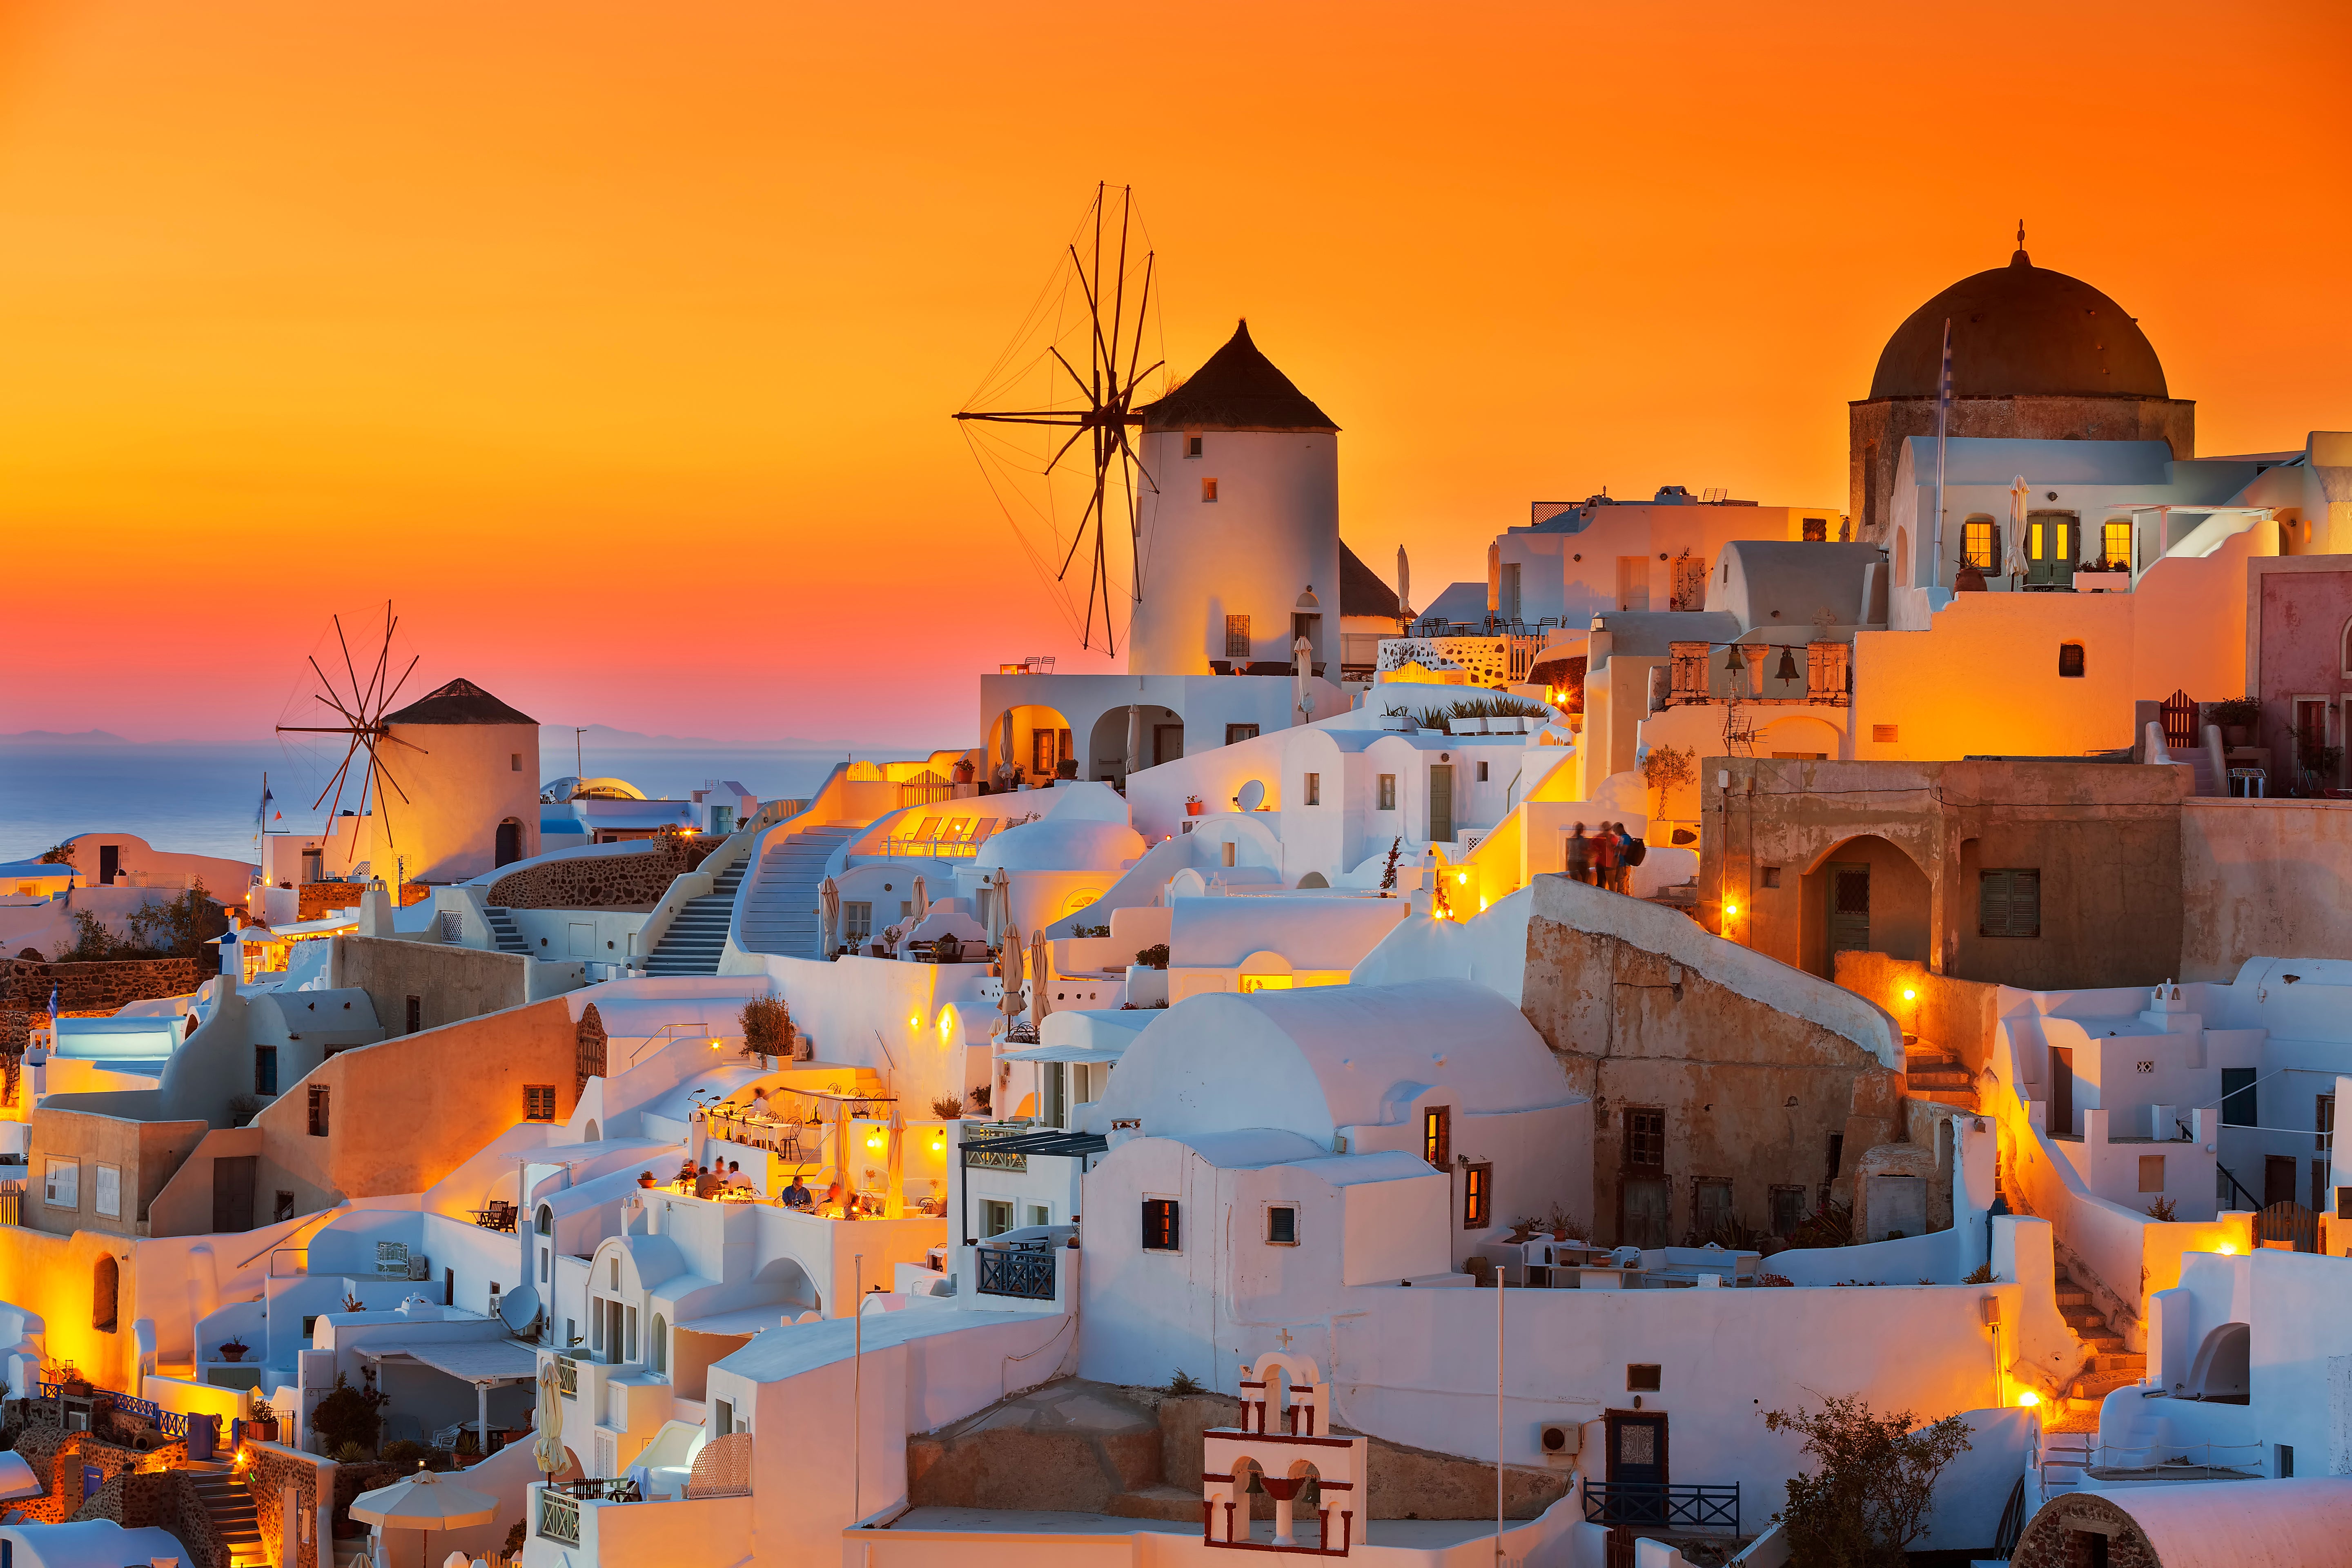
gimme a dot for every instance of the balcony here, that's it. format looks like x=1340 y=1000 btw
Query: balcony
x=1025 y=1273
x=1660 y=1506
x=559 y=1519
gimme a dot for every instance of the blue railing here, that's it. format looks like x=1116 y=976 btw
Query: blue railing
x=1662 y=1506
x=1023 y=1272
x=172 y=1423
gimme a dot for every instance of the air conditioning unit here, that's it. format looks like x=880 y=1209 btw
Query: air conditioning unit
x=1558 y=1441
x=803 y=1048
x=419 y=1266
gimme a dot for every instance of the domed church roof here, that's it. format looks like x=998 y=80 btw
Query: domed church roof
x=2021 y=330
x=1237 y=389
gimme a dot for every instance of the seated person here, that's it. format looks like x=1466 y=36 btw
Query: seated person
x=736 y=1178
x=706 y=1185
x=759 y=1103
x=797 y=1196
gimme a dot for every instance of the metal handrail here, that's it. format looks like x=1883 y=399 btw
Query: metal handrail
x=1022 y=1273
x=1682 y=1507
x=2012 y=1522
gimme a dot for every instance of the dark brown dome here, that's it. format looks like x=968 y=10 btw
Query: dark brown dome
x=2022 y=331
x=1237 y=389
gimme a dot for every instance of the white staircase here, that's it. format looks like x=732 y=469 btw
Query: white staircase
x=502 y=931
x=697 y=938
x=780 y=912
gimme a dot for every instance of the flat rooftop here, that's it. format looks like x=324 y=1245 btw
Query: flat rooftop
x=1422 y=1533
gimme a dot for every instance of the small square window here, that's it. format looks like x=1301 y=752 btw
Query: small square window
x=539 y=1102
x=1237 y=637
x=1160 y=1228
x=1816 y=529
x=1192 y=446
x=514 y=761
x=2008 y=903
x=1208 y=489
x=1641 y=1378
x=1314 y=791
x=2070 y=661
x=1437 y=1135
x=1236 y=734
x=283 y=1208
x=1482 y=773
x=1771 y=876
x=1388 y=792
x=1282 y=1225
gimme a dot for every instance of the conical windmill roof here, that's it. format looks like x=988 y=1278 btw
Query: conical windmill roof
x=1237 y=389
x=460 y=702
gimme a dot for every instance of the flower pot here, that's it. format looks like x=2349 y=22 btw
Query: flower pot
x=1192 y=808
x=2237 y=735
x=233 y=1352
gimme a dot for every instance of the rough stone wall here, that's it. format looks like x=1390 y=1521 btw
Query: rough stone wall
x=25 y=983
x=2056 y=1537
x=1878 y=428
x=1751 y=1093
x=591 y=1038
x=1079 y=1447
x=2263 y=879
x=274 y=1468
x=57 y=1460
x=318 y=899
x=634 y=882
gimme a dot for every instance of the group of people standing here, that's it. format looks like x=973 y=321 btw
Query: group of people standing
x=1605 y=857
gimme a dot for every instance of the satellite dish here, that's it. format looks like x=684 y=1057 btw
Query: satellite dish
x=1252 y=796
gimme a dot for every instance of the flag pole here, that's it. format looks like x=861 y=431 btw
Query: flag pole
x=1943 y=411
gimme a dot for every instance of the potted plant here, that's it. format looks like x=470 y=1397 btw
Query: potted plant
x=2236 y=718
x=1191 y=806
x=262 y=1422
x=234 y=1349
x=767 y=1022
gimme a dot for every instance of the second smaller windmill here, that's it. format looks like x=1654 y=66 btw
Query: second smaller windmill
x=362 y=715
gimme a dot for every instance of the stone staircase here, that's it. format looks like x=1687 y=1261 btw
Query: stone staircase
x=1930 y=1074
x=226 y=1499
x=2106 y=1366
x=503 y=931
x=779 y=914
x=698 y=938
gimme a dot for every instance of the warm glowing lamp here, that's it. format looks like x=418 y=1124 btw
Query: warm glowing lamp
x=2027 y=1400
x=714 y=1045
x=1909 y=995
x=1462 y=879
x=873 y=1142
x=2228 y=1249
x=1730 y=911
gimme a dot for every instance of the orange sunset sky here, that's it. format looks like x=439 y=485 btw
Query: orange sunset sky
x=617 y=343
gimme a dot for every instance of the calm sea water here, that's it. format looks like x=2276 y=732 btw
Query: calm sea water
x=201 y=799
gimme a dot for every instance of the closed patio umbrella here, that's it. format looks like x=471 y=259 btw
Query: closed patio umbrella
x=999 y=909
x=922 y=897
x=1302 y=656
x=425 y=1501
x=1041 y=969
x=828 y=898
x=2013 y=559
x=547 y=1445
x=1011 y=1004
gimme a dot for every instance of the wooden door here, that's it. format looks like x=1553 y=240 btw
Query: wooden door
x=1849 y=907
x=233 y=1177
x=1440 y=805
x=2050 y=540
x=1644 y=1198
x=509 y=846
x=109 y=861
x=2278 y=1179
x=1167 y=744
x=1637 y=1448
x=2061 y=1119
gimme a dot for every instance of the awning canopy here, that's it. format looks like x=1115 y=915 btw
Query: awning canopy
x=469 y=1360
x=1051 y=1142
x=1062 y=1054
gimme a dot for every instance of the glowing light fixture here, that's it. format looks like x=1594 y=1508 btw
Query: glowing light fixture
x=873 y=1142
x=2228 y=1249
x=714 y=1045
x=1909 y=995
x=2027 y=1400
x=1730 y=911
x=1462 y=879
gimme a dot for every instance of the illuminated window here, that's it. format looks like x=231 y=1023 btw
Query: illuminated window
x=1437 y=1135
x=1314 y=789
x=1192 y=446
x=1208 y=489
x=1477 y=1197
x=2070 y=661
x=1388 y=792
x=2115 y=540
x=1980 y=544
x=539 y=1102
x=1237 y=637
x=1161 y=1232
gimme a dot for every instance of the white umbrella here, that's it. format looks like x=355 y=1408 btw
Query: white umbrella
x=547 y=1446
x=999 y=909
x=1041 y=968
x=425 y=1501
x=1011 y=965
x=828 y=898
x=2020 y=498
x=1302 y=657
x=922 y=898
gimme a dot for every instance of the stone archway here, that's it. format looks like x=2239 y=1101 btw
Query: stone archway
x=1867 y=894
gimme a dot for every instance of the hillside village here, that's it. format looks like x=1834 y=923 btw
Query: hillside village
x=1421 y=1085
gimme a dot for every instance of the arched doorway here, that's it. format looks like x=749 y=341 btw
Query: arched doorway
x=509 y=849
x=1156 y=736
x=589 y=1132
x=1865 y=895
x=105 y=1291
x=1028 y=745
x=1314 y=879
x=2220 y=1373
